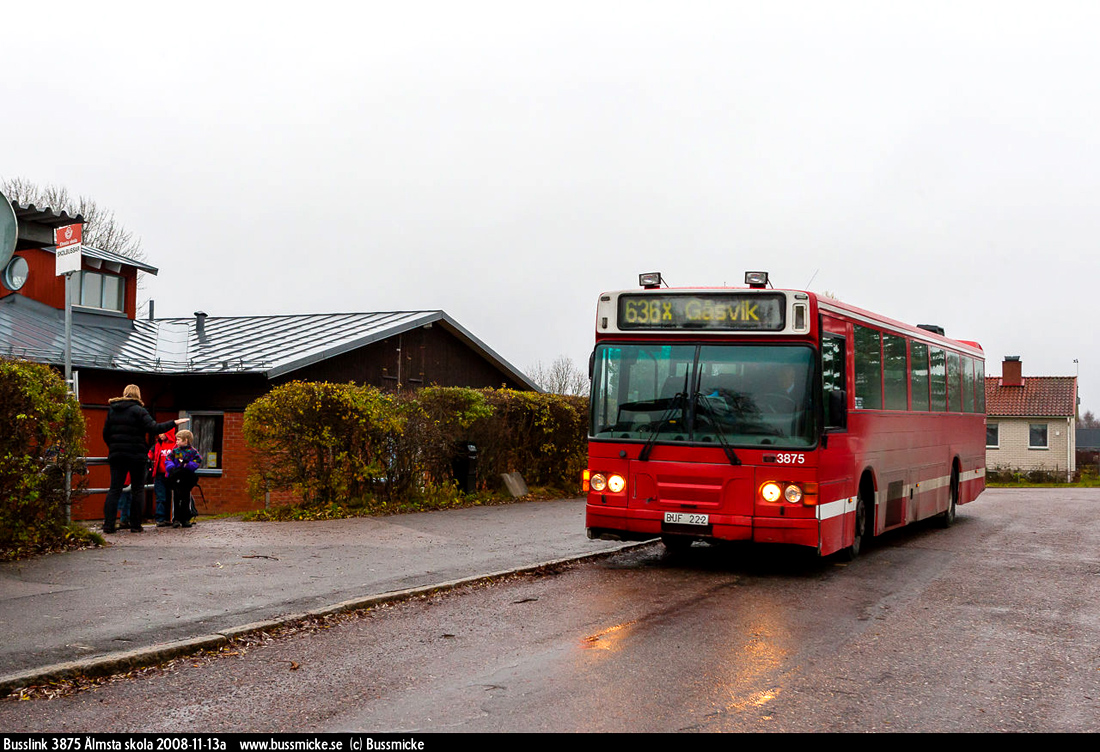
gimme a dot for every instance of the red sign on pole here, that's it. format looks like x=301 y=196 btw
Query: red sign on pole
x=67 y=241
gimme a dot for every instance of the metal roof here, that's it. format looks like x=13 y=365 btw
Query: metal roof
x=110 y=257
x=35 y=331
x=32 y=221
x=44 y=216
x=269 y=345
x=115 y=258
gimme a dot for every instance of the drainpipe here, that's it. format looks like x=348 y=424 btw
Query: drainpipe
x=1071 y=444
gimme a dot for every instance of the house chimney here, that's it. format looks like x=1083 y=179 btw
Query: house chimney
x=151 y=304
x=200 y=324
x=1012 y=371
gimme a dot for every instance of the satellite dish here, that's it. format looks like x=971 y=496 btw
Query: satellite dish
x=9 y=231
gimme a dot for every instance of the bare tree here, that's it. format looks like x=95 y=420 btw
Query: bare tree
x=1088 y=420
x=560 y=377
x=101 y=229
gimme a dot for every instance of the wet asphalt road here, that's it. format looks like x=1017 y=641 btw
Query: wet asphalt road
x=167 y=585
x=993 y=625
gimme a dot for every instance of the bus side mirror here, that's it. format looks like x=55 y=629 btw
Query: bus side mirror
x=591 y=364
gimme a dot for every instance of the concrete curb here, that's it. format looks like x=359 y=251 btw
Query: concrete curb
x=127 y=660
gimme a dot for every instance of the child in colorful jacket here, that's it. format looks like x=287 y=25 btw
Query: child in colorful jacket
x=181 y=464
x=158 y=455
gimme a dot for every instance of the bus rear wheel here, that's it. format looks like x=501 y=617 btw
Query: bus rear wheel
x=852 y=551
x=947 y=518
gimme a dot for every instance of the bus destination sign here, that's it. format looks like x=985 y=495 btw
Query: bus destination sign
x=732 y=311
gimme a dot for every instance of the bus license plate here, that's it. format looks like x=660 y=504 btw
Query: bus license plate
x=686 y=518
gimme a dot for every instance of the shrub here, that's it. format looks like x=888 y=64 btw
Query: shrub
x=43 y=429
x=327 y=442
x=1016 y=476
x=542 y=436
x=351 y=445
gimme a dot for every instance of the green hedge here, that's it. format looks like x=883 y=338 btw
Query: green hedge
x=541 y=436
x=42 y=429
x=343 y=443
x=323 y=441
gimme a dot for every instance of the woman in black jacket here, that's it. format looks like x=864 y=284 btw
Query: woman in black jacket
x=126 y=433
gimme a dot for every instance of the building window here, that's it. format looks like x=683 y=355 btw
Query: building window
x=98 y=290
x=992 y=436
x=1037 y=436
x=207 y=428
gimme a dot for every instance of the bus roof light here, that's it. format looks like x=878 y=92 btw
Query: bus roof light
x=650 y=280
x=756 y=280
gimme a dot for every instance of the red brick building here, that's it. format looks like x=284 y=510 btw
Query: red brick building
x=208 y=368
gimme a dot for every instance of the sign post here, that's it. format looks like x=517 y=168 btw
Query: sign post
x=67 y=241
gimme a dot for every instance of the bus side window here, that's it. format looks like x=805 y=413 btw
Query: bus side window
x=833 y=380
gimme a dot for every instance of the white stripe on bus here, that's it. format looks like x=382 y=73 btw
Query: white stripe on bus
x=836 y=508
x=843 y=506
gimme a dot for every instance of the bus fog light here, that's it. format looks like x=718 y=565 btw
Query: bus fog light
x=598 y=482
x=771 y=491
x=615 y=483
x=793 y=494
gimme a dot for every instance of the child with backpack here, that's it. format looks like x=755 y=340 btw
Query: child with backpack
x=181 y=464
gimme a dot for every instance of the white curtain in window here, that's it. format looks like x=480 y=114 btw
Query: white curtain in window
x=203 y=428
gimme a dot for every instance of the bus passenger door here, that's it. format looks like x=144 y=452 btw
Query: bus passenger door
x=835 y=466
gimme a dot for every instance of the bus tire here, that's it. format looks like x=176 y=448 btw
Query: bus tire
x=860 y=521
x=676 y=544
x=947 y=518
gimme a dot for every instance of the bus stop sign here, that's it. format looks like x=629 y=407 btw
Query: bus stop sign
x=67 y=239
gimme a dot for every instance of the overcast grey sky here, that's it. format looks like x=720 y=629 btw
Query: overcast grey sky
x=508 y=161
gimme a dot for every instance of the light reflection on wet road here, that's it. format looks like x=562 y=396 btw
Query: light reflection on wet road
x=991 y=625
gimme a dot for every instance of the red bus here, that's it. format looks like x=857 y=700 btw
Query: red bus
x=775 y=416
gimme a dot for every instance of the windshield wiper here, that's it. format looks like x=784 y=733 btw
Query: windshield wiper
x=644 y=454
x=730 y=454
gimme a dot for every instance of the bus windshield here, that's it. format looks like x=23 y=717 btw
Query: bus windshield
x=730 y=394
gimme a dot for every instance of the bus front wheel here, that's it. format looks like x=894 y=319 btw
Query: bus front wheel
x=852 y=551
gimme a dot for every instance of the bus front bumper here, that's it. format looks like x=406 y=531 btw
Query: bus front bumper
x=621 y=524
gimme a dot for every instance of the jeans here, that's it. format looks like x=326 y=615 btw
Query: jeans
x=124 y=509
x=160 y=490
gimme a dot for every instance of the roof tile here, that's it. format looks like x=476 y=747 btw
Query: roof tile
x=1039 y=396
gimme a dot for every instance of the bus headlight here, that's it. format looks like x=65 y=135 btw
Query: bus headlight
x=792 y=493
x=615 y=483
x=598 y=482
x=771 y=491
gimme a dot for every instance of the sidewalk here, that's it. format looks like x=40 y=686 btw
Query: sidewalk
x=166 y=591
